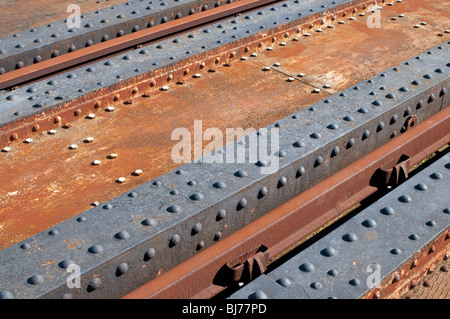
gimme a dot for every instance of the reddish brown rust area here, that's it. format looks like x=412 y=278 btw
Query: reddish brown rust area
x=44 y=183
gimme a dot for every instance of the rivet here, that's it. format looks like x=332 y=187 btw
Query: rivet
x=174 y=209
x=430 y=223
x=328 y=252
x=52 y=132
x=197 y=228
x=96 y=162
x=405 y=199
x=369 y=223
x=164 y=88
x=5 y=294
x=122 y=235
x=94 y=284
x=174 y=240
x=6 y=149
x=91 y=116
x=219 y=185
x=396 y=251
x=396 y=278
x=217 y=236
x=354 y=282
x=197 y=75
x=14 y=136
x=36 y=280
x=307 y=267
x=65 y=263
x=350 y=237
x=121 y=180
x=241 y=204
x=121 y=269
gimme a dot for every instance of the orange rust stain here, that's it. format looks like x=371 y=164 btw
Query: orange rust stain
x=45 y=182
x=72 y=245
x=48 y=262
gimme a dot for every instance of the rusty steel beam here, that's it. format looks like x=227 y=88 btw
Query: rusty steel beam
x=199 y=277
x=107 y=48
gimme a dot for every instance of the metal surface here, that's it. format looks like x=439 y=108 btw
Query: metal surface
x=126 y=42
x=412 y=218
x=202 y=275
x=122 y=77
x=151 y=230
x=42 y=191
x=59 y=38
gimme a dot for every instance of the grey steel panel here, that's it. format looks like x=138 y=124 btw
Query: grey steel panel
x=383 y=236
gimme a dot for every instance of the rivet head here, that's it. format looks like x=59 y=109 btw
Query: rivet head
x=396 y=251
x=174 y=240
x=350 y=237
x=64 y=264
x=405 y=199
x=197 y=196
x=221 y=214
x=174 y=209
x=197 y=228
x=430 y=223
x=241 y=173
x=258 y=295
x=241 y=204
x=121 y=269
x=96 y=249
x=307 y=267
x=94 y=284
x=219 y=185
x=36 y=280
x=284 y=282
x=436 y=175
x=5 y=294
x=122 y=235
x=328 y=252
x=332 y=273
x=387 y=210
x=421 y=187
x=369 y=223
x=149 y=254
x=354 y=282
x=316 y=285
